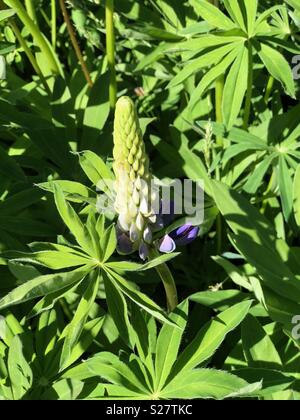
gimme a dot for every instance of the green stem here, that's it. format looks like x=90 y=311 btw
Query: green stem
x=269 y=89
x=110 y=50
x=168 y=282
x=31 y=10
x=75 y=43
x=53 y=24
x=269 y=187
x=249 y=88
x=219 y=100
x=29 y=54
x=219 y=92
x=36 y=34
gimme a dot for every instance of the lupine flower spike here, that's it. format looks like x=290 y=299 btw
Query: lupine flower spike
x=133 y=195
x=135 y=202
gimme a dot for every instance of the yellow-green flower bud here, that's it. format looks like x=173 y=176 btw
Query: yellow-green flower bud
x=131 y=167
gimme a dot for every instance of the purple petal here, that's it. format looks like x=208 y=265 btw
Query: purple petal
x=167 y=245
x=188 y=237
x=124 y=244
x=143 y=251
x=182 y=230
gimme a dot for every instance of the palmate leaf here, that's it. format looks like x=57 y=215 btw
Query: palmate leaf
x=273 y=269
x=272 y=380
x=278 y=67
x=235 y=87
x=137 y=297
x=205 y=60
x=56 y=260
x=43 y=285
x=286 y=188
x=108 y=243
x=168 y=343
x=208 y=384
x=251 y=12
x=132 y=266
x=256 y=239
x=118 y=309
x=213 y=15
x=210 y=337
x=255 y=179
x=296 y=196
x=259 y=349
x=109 y=367
x=73 y=191
x=9 y=167
x=5 y=14
x=73 y=330
x=20 y=373
x=96 y=169
x=293 y=3
x=212 y=75
x=72 y=220
x=219 y=300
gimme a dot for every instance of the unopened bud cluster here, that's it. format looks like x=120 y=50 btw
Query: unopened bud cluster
x=133 y=178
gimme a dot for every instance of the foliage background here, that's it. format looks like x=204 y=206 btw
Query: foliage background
x=218 y=100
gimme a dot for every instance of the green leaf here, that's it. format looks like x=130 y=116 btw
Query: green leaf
x=56 y=260
x=118 y=309
x=256 y=178
x=210 y=337
x=272 y=380
x=285 y=188
x=205 y=60
x=96 y=112
x=132 y=266
x=219 y=300
x=168 y=343
x=278 y=67
x=73 y=191
x=259 y=349
x=235 y=87
x=19 y=201
x=235 y=274
x=235 y=11
x=108 y=243
x=73 y=330
x=89 y=333
x=208 y=383
x=5 y=14
x=9 y=168
x=26 y=226
x=20 y=373
x=212 y=15
x=109 y=367
x=251 y=11
x=72 y=220
x=96 y=169
x=154 y=55
x=43 y=285
x=241 y=216
x=210 y=76
x=296 y=196
x=271 y=264
x=137 y=297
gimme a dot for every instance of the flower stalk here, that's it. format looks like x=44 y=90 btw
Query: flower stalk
x=38 y=37
x=29 y=54
x=75 y=43
x=134 y=198
x=110 y=51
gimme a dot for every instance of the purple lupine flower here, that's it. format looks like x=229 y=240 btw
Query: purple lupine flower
x=181 y=236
